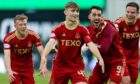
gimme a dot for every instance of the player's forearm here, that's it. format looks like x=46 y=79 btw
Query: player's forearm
x=40 y=50
x=49 y=46
x=7 y=62
x=43 y=60
x=44 y=57
x=7 y=59
x=94 y=50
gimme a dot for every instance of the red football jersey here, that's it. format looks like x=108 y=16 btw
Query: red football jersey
x=69 y=44
x=21 y=49
x=108 y=41
x=130 y=35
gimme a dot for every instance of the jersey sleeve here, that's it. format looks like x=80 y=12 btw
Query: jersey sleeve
x=37 y=40
x=6 y=44
x=87 y=38
x=54 y=32
x=118 y=21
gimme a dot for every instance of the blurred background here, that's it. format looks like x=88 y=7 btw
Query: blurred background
x=44 y=15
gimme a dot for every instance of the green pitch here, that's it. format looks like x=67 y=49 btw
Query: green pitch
x=38 y=79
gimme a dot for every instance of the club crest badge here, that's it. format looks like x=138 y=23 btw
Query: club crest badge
x=136 y=28
x=29 y=44
x=77 y=35
x=16 y=45
x=63 y=34
x=125 y=29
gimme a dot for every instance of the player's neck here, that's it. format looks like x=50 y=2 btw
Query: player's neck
x=71 y=25
x=20 y=36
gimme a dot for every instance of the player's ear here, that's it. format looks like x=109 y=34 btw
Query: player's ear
x=15 y=22
x=89 y=16
x=14 y=25
x=65 y=12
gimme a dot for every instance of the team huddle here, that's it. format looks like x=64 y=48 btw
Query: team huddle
x=114 y=43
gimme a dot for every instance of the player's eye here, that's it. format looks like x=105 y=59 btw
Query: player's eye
x=94 y=14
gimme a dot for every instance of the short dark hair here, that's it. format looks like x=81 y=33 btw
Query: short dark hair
x=96 y=7
x=133 y=4
x=72 y=5
x=20 y=17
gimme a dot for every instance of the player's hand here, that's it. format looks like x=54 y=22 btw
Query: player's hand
x=54 y=49
x=43 y=71
x=120 y=19
x=101 y=63
x=11 y=75
x=123 y=18
x=84 y=48
x=42 y=68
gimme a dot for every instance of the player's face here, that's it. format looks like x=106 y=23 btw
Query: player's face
x=131 y=14
x=95 y=17
x=72 y=14
x=21 y=26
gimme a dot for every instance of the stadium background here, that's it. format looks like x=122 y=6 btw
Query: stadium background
x=43 y=16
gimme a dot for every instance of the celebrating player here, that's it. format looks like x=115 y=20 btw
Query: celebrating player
x=18 y=51
x=129 y=29
x=107 y=39
x=70 y=35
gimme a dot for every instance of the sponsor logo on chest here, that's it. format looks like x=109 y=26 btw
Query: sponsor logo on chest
x=131 y=35
x=71 y=42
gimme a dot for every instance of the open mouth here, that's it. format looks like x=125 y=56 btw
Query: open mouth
x=96 y=22
x=130 y=19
